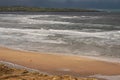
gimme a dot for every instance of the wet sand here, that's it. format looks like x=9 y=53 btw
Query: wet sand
x=59 y=64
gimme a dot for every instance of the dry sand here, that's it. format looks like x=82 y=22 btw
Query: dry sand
x=59 y=64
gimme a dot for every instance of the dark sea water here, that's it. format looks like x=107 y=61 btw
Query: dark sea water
x=86 y=33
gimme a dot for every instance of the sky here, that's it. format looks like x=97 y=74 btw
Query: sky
x=99 y=4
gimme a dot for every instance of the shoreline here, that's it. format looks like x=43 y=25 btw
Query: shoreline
x=59 y=64
x=98 y=58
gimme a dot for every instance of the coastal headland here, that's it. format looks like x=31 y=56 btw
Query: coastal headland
x=38 y=9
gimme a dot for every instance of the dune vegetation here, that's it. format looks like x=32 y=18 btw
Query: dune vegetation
x=7 y=73
x=36 y=9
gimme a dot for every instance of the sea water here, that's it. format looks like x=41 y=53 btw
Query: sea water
x=78 y=33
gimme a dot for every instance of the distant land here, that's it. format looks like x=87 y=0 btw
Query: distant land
x=36 y=9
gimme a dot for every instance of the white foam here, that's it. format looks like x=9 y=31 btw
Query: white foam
x=28 y=19
x=106 y=35
x=29 y=35
x=114 y=77
x=101 y=38
x=103 y=58
x=111 y=35
x=80 y=17
x=69 y=17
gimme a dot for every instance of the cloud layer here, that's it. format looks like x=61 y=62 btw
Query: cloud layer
x=64 y=3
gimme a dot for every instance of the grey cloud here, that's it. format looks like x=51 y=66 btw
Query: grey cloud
x=64 y=3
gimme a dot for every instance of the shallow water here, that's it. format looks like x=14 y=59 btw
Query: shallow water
x=90 y=34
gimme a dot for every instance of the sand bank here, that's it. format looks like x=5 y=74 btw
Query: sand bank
x=59 y=64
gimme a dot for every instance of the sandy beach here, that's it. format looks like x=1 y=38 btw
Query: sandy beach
x=59 y=64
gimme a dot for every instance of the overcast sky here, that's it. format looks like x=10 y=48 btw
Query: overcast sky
x=102 y=4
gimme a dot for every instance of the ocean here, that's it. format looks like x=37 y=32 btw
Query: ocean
x=95 y=34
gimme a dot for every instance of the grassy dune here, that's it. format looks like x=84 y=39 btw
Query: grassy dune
x=7 y=73
x=36 y=9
